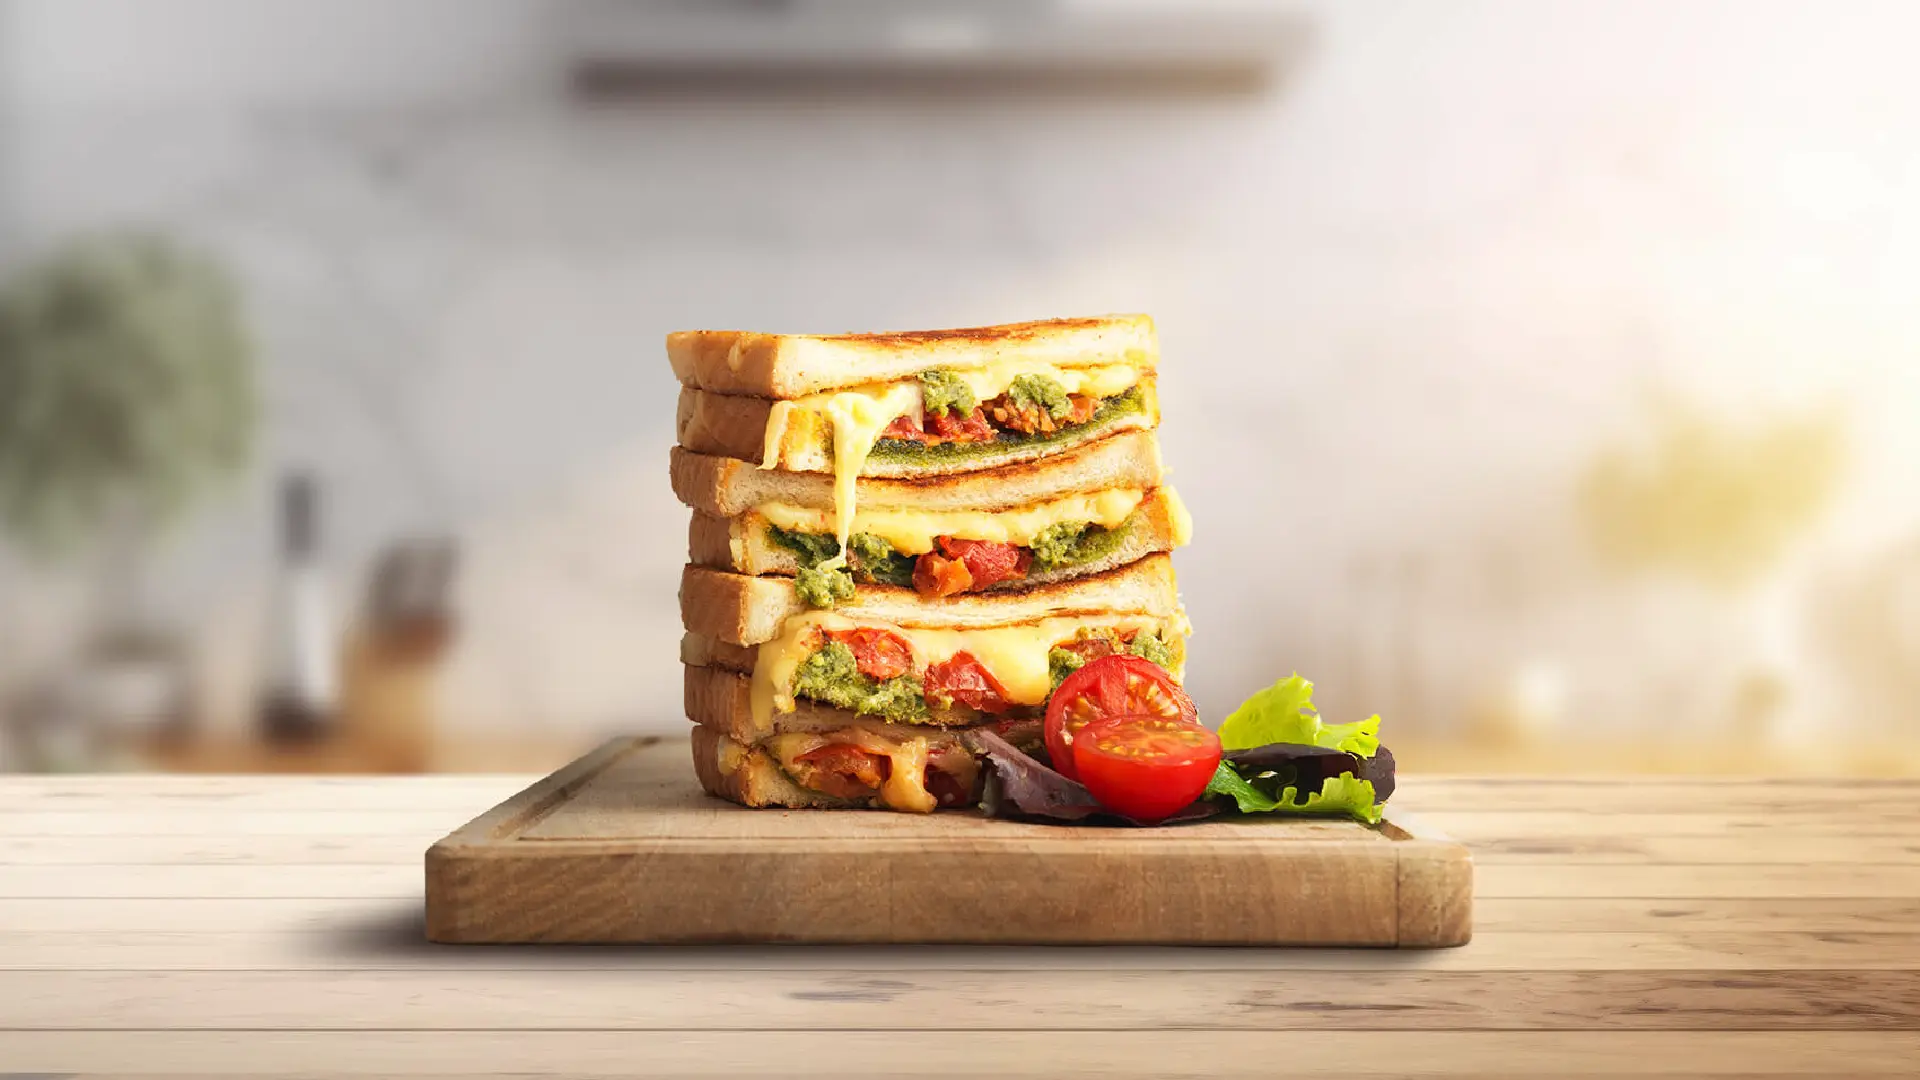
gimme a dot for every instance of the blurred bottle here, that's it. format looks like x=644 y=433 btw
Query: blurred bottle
x=300 y=694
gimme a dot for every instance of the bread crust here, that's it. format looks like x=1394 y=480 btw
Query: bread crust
x=727 y=487
x=793 y=365
x=743 y=610
x=736 y=427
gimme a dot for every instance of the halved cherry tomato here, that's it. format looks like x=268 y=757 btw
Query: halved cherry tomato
x=1116 y=685
x=964 y=680
x=1145 y=767
x=878 y=654
x=988 y=563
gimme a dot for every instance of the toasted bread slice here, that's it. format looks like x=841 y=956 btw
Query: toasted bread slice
x=747 y=775
x=736 y=427
x=718 y=698
x=792 y=365
x=744 y=610
x=770 y=771
x=727 y=487
x=743 y=544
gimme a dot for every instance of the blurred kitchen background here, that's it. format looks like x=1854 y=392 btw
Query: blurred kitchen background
x=1544 y=376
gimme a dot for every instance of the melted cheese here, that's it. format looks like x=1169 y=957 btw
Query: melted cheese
x=859 y=415
x=1016 y=655
x=1181 y=520
x=906 y=785
x=779 y=418
x=913 y=531
x=1105 y=380
x=858 y=418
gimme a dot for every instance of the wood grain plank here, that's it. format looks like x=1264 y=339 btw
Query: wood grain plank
x=455 y=795
x=1422 y=793
x=1550 y=879
x=1474 y=826
x=1720 y=915
x=1425 y=793
x=211 y=850
x=141 y=818
x=1542 y=879
x=1158 y=1054
x=1778 y=847
x=1497 y=915
x=1775 y=849
x=1120 y=1000
x=397 y=945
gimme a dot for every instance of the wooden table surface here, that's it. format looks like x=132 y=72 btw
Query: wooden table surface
x=225 y=925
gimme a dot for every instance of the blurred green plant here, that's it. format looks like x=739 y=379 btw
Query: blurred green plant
x=1714 y=501
x=126 y=389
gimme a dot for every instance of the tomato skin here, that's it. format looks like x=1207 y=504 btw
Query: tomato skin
x=903 y=427
x=1106 y=687
x=845 y=772
x=971 y=428
x=935 y=576
x=880 y=655
x=987 y=562
x=962 y=679
x=1145 y=767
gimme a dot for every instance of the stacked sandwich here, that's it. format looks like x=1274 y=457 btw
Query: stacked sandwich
x=901 y=538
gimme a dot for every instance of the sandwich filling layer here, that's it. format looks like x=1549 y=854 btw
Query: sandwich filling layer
x=909 y=773
x=944 y=553
x=947 y=415
x=923 y=675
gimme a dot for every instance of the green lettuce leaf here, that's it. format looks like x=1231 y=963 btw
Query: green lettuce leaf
x=1283 y=713
x=1342 y=796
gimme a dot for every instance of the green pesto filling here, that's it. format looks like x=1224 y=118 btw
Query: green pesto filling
x=870 y=559
x=823 y=588
x=905 y=450
x=1062 y=663
x=944 y=392
x=1147 y=645
x=1041 y=392
x=1076 y=543
x=832 y=676
x=876 y=561
x=813 y=548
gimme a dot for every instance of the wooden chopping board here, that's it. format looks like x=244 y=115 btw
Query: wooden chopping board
x=622 y=846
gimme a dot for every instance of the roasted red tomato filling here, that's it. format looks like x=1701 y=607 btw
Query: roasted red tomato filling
x=985 y=422
x=959 y=566
x=961 y=679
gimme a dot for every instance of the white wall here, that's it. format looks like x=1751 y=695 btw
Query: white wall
x=1401 y=304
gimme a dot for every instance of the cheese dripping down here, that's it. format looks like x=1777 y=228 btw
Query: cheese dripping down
x=905 y=787
x=858 y=416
